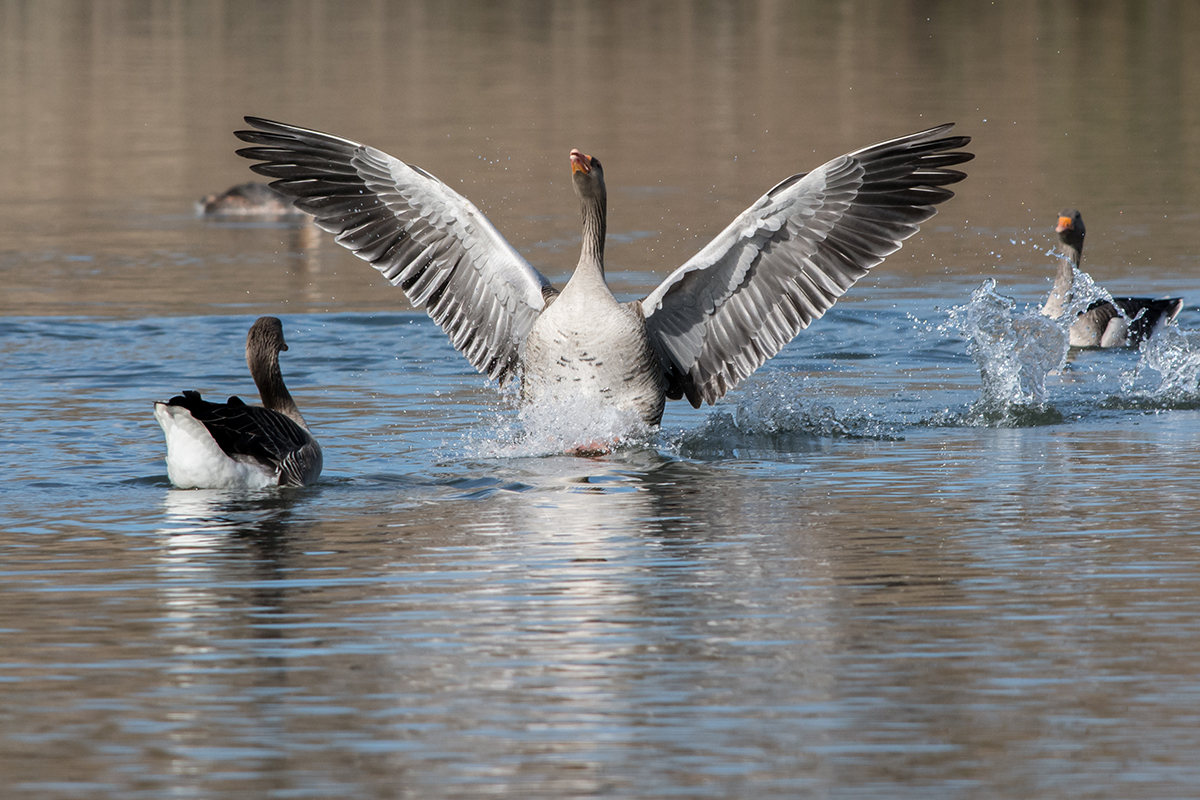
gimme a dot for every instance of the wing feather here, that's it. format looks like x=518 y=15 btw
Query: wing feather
x=419 y=233
x=789 y=257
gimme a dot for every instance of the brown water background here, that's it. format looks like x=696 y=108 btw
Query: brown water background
x=116 y=116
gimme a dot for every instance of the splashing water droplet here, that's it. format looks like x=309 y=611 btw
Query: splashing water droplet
x=1015 y=350
x=1174 y=354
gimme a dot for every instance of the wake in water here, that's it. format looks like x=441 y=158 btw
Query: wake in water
x=1030 y=376
x=770 y=418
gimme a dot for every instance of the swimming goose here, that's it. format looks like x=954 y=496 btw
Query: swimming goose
x=780 y=265
x=1125 y=322
x=250 y=199
x=236 y=446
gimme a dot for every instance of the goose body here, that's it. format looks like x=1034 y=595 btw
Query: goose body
x=1124 y=322
x=588 y=345
x=777 y=267
x=233 y=445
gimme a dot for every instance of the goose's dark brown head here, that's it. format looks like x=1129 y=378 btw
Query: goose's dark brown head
x=265 y=339
x=1070 y=229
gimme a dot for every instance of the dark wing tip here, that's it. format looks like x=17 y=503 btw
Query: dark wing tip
x=259 y=123
x=271 y=131
x=953 y=142
x=264 y=124
x=929 y=133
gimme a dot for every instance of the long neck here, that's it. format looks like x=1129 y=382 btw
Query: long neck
x=1068 y=262
x=594 y=230
x=264 y=368
x=1062 y=295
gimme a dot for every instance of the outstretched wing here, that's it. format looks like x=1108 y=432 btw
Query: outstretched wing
x=789 y=257
x=421 y=234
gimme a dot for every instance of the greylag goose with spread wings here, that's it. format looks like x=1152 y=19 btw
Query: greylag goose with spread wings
x=777 y=267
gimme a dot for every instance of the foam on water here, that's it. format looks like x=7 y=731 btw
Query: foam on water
x=768 y=413
x=773 y=405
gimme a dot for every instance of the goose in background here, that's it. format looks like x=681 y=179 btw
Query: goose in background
x=1125 y=322
x=780 y=265
x=252 y=199
x=232 y=445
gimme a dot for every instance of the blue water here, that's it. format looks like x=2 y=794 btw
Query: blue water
x=847 y=579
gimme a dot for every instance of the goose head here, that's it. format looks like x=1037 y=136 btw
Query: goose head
x=264 y=341
x=1070 y=229
x=588 y=177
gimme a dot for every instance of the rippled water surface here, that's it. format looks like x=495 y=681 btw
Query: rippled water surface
x=924 y=552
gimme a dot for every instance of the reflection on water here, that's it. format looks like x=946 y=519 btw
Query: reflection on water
x=652 y=617
x=841 y=582
x=604 y=625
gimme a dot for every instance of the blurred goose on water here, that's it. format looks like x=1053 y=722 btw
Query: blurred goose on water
x=1125 y=322
x=251 y=199
x=232 y=445
x=777 y=267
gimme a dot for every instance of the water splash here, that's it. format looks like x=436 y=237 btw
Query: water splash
x=769 y=419
x=1173 y=354
x=575 y=426
x=1015 y=350
x=771 y=405
x=1084 y=292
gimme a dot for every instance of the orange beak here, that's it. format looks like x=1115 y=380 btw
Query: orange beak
x=580 y=162
x=1064 y=224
